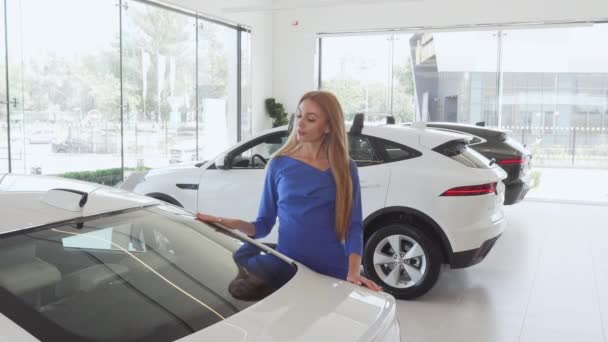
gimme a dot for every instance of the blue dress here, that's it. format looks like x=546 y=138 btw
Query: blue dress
x=304 y=200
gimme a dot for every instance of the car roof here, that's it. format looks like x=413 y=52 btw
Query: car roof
x=28 y=201
x=412 y=136
x=482 y=131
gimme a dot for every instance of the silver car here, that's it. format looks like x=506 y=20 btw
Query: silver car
x=84 y=262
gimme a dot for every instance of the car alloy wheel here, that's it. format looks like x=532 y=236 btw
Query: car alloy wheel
x=399 y=261
x=402 y=259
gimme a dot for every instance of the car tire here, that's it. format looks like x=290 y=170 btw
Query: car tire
x=408 y=273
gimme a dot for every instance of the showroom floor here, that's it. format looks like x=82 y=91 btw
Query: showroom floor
x=546 y=280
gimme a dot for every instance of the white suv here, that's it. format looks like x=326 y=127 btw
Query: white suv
x=428 y=199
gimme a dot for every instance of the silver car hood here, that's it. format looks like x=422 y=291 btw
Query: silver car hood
x=311 y=307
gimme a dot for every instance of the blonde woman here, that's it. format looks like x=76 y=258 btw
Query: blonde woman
x=312 y=186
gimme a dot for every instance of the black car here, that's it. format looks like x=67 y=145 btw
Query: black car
x=507 y=152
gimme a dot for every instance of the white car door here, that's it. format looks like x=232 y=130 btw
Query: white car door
x=235 y=192
x=374 y=174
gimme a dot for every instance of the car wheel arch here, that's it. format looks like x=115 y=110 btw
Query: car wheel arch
x=165 y=198
x=412 y=216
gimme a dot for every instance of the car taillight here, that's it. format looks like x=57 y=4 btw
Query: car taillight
x=512 y=161
x=472 y=190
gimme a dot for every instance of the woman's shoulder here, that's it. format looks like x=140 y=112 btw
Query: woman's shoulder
x=276 y=163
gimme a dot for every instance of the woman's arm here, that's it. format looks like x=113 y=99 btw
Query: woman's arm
x=354 y=237
x=246 y=227
x=267 y=214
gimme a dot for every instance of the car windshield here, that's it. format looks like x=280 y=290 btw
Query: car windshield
x=151 y=274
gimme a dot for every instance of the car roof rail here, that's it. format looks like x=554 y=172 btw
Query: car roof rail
x=390 y=120
x=67 y=199
x=357 y=126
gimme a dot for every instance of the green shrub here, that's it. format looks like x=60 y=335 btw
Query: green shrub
x=108 y=177
x=277 y=112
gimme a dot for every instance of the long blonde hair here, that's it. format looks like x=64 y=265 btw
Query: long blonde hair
x=335 y=146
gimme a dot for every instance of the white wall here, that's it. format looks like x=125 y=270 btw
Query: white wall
x=261 y=45
x=295 y=46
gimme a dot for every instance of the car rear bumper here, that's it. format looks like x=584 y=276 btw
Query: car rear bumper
x=473 y=256
x=516 y=190
x=472 y=245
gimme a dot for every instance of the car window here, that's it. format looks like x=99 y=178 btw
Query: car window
x=263 y=147
x=460 y=152
x=362 y=151
x=144 y=275
x=394 y=151
x=476 y=140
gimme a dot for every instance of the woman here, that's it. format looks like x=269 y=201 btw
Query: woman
x=313 y=188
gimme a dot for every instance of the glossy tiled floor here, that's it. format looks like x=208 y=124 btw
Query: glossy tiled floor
x=546 y=280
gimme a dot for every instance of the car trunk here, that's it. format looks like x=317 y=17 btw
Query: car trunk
x=311 y=307
x=481 y=187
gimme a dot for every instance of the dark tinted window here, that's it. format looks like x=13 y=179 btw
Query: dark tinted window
x=396 y=152
x=458 y=151
x=147 y=275
x=362 y=151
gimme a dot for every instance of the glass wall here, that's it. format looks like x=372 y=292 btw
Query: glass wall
x=423 y=76
x=159 y=82
x=217 y=88
x=403 y=91
x=548 y=86
x=63 y=86
x=108 y=66
x=3 y=100
x=246 y=89
x=361 y=78
x=556 y=93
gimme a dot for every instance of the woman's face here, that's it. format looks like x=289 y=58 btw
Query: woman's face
x=311 y=122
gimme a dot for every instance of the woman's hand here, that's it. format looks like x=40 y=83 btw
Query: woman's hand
x=356 y=278
x=245 y=227
x=354 y=273
x=209 y=218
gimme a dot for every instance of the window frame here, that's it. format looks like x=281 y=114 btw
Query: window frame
x=251 y=144
x=379 y=148
x=373 y=147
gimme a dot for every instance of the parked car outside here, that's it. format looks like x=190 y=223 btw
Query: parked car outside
x=79 y=145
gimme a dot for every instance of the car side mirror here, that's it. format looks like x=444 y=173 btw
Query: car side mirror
x=223 y=161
